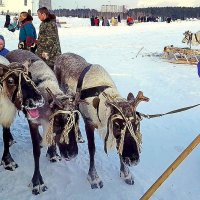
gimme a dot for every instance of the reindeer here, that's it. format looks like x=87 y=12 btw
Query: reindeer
x=115 y=117
x=58 y=117
x=17 y=92
x=191 y=38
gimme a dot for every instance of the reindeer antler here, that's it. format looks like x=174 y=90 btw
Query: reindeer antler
x=140 y=97
x=57 y=102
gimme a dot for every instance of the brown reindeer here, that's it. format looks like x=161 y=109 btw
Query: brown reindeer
x=58 y=117
x=115 y=117
x=17 y=91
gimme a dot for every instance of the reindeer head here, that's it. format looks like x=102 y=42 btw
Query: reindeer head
x=187 y=37
x=124 y=124
x=65 y=123
x=17 y=85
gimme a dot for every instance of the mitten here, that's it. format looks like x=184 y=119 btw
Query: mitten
x=21 y=45
x=33 y=47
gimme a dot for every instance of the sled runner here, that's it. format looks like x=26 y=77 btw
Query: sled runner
x=181 y=55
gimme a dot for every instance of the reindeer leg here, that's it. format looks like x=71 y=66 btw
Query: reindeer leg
x=92 y=177
x=80 y=137
x=40 y=138
x=37 y=182
x=11 y=139
x=52 y=154
x=7 y=160
x=125 y=173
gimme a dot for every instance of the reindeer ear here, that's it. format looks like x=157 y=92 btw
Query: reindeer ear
x=27 y=63
x=1 y=70
x=95 y=102
x=130 y=97
x=2 y=67
x=55 y=100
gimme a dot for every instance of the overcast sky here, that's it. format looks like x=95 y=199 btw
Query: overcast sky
x=129 y=3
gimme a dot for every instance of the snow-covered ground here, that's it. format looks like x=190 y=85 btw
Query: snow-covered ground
x=169 y=86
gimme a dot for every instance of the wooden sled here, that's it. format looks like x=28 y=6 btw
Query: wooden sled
x=181 y=55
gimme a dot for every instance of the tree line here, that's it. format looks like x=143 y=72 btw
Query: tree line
x=163 y=12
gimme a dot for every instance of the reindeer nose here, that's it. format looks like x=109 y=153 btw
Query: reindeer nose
x=30 y=103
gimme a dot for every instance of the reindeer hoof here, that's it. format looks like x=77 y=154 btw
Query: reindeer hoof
x=129 y=181
x=53 y=159
x=95 y=183
x=81 y=140
x=38 y=188
x=128 y=178
x=9 y=166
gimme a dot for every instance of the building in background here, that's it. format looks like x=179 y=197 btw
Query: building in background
x=9 y=6
x=113 y=8
x=110 y=11
x=45 y=3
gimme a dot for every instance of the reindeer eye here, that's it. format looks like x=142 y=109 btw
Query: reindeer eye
x=11 y=81
x=117 y=125
x=56 y=120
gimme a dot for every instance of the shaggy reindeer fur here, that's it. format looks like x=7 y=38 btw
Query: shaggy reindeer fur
x=44 y=77
x=68 y=68
x=98 y=112
x=17 y=90
x=7 y=108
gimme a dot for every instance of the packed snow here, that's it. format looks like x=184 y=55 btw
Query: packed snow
x=132 y=56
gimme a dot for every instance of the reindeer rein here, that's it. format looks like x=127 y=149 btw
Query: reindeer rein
x=65 y=134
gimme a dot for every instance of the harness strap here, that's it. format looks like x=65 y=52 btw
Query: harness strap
x=171 y=112
x=81 y=77
x=93 y=91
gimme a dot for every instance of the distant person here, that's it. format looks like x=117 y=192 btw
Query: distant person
x=198 y=68
x=114 y=21
x=119 y=18
x=27 y=33
x=105 y=22
x=92 y=21
x=96 y=21
x=3 y=50
x=48 y=40
x=7 y=22
x=169 y=19
x=129 y=21
x=13 y=26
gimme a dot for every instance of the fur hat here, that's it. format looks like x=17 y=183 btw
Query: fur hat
x=2 y=38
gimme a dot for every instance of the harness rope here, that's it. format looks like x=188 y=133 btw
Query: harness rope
x=24 y=73
x=49 y=137
x=171 y=112
x=128 y=125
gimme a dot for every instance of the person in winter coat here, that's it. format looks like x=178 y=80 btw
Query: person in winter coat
x=129 y=21
x=27 y=33
x=96 y=21
x=13 y=26
x=48 y=40
x=105 y=22
x=7 y=22
x=198 y=68
x=3 y=50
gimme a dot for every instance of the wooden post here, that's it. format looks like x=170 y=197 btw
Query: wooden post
x=170 y=169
